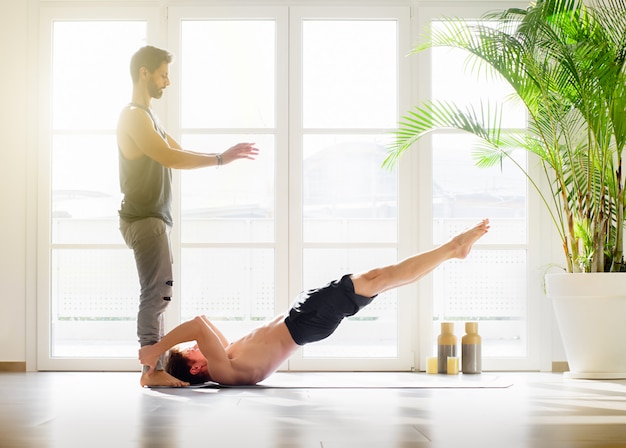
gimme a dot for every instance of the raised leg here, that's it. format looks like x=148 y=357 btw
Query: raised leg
x=417 y=266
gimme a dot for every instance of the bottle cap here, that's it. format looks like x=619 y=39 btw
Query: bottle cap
x=447 y=327
x=471 y=327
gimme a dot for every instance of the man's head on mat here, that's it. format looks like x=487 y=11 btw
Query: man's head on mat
x=187 y=364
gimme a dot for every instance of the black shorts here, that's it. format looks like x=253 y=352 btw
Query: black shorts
x=315 y=314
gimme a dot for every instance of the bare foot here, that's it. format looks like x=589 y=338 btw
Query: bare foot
x=463 y=242
x=161 y=378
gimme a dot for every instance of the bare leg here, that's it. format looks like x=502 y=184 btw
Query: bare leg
x=414 y=268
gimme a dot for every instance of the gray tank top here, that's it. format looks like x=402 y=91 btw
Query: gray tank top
x=145 y=184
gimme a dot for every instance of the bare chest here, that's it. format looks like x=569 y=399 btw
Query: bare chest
x=263 y=350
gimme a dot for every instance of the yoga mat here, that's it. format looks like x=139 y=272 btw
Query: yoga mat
x=370 y=380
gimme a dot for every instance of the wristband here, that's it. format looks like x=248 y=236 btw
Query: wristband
x=219 y=160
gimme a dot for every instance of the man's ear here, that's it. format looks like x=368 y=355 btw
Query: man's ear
x=143 y=72
x=194 y=369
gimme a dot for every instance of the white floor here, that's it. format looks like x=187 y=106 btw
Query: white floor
x=353 y=410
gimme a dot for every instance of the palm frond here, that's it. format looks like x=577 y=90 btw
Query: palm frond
x=484 y=122
x=566 y=62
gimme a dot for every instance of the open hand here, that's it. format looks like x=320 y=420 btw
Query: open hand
x=240 y=151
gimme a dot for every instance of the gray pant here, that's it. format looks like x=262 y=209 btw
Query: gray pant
x=149 y=239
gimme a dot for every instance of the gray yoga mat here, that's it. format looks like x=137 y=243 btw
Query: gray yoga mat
x=370 y=380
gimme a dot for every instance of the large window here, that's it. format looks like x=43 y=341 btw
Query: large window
x=491 y=286
x=235 y=227
x=91 y=304
x=319 y=90
x=228 y=72
x=348 y=201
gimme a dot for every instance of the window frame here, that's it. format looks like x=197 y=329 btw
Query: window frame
x=281 y=196
x=48 y=15
x=414 y=177
x=535 y=322
x=405 y=358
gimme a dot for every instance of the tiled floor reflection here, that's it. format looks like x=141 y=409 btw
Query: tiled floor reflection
x=536 y=410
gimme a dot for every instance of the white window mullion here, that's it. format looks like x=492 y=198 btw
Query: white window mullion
x=283 y=193
x=295 y=165
x=169 y=108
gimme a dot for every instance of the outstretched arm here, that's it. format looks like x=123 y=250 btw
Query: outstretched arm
x=136 y=136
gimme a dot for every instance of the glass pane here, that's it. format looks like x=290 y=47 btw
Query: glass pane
x=455 y=80
x=228 y=73
x=90 y=71
x=489 y=286
x=234 y=203
x=94 y=301
x=85 y=189
x=350 y=74
x=373 y=332
x=346 y=194
x=232 y=287
x=94 y=292
x=464 y=194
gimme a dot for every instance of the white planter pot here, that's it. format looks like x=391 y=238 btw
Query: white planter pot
x=591 y=313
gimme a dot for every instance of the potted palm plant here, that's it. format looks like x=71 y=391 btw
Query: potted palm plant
x=566 y=62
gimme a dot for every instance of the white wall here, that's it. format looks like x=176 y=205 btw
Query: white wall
x=14 y=75
x=18 y=184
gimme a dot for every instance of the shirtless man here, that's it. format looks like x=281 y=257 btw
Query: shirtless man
x=313 y=317
x=147 y=155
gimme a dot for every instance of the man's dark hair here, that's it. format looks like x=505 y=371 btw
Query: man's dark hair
x=149 y=57
x=177 y=365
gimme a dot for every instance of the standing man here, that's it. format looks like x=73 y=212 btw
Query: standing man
x=147 y=154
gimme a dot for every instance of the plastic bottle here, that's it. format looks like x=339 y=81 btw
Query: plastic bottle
x=471 y=353
x=446 y=346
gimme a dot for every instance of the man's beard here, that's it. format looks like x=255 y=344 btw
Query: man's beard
x=155 y=92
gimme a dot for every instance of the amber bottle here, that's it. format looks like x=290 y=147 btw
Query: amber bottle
x=471 y=353
x=446 y=346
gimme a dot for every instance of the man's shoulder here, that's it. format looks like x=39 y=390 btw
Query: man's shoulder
x=133 y=118
x=133 y=110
